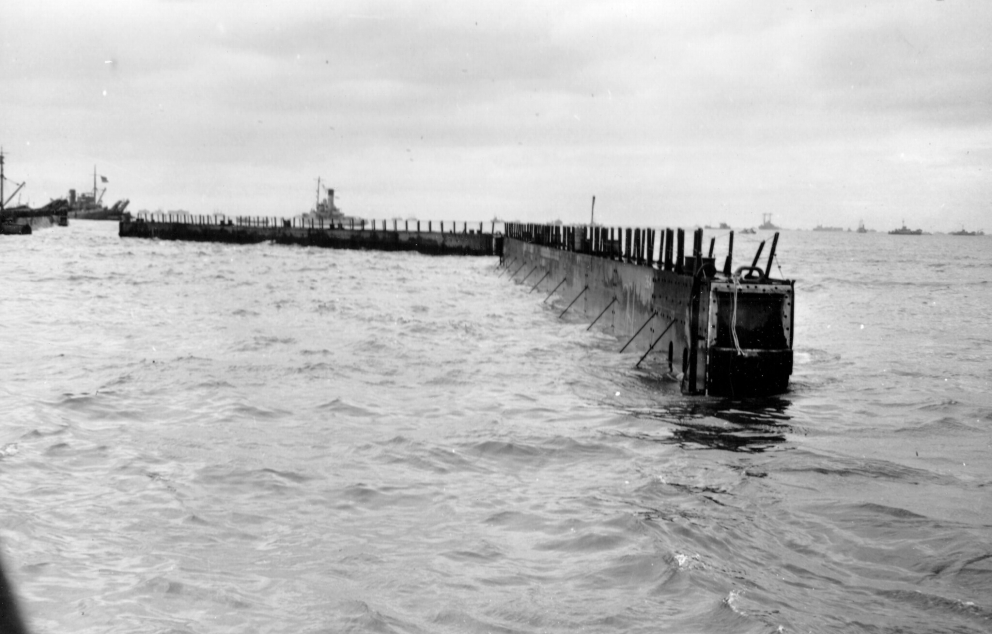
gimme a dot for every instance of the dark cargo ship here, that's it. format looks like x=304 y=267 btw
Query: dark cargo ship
x=719 y=331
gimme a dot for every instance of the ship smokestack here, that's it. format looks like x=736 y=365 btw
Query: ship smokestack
x=72 y=196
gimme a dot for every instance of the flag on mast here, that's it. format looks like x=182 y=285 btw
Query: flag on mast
x=103 y=179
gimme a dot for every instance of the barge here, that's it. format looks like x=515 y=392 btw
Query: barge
x=720 y=331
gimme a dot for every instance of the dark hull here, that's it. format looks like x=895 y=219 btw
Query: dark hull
x=686 y=320
x=96 y=214
x=24 y=221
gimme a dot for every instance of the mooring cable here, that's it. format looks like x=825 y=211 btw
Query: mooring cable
x=653 y=315
x=651 y=347
x=584 y=289
x=612 y=301
x=563 y=280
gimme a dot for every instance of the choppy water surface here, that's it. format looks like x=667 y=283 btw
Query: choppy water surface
x=214 y=438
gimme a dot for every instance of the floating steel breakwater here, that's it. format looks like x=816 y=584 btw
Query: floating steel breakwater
x=395 y=235
x=721 y=332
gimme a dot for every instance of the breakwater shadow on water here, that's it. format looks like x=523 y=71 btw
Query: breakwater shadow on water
x=751 y=426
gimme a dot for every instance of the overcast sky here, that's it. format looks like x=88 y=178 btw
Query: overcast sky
x=670 y=113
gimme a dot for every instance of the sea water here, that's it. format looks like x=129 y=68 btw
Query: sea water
x=219 y=438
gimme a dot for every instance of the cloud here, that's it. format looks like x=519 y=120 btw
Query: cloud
x=667 y=110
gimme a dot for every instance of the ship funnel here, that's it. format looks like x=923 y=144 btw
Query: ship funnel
x=72 y=196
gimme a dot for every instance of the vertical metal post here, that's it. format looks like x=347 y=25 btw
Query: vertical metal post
x=730 y=255
x=680 y=250
x=754 y=263
x=771 y=256
x=697 y=251
x=669 y=245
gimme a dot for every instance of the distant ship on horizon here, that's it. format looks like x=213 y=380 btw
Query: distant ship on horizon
x=963 y=232
x=326 y=211
x=766 y=223
x=88 y=206
x=905 y=231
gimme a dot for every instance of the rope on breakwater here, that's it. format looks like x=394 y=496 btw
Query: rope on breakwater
x=733 y=319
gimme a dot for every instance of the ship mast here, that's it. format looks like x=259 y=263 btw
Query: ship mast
x=316 y=205
x=3 y=198
x=94 y=183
